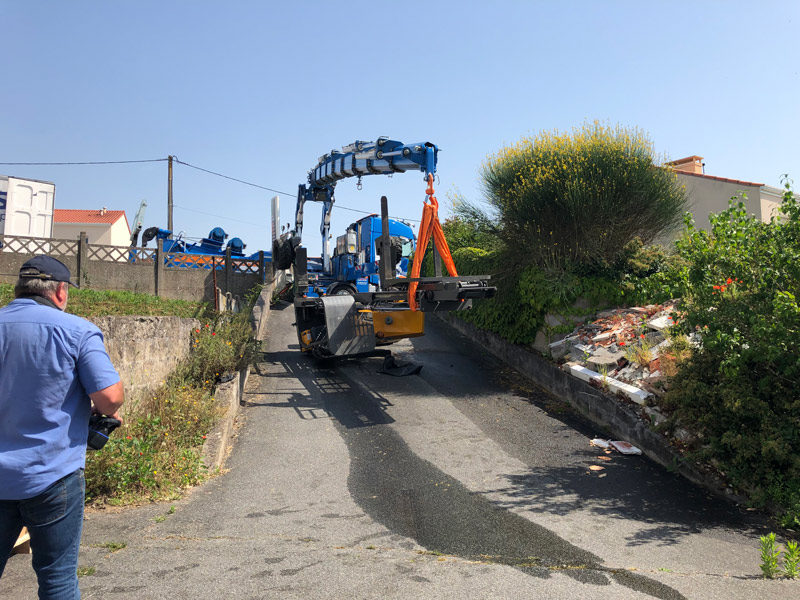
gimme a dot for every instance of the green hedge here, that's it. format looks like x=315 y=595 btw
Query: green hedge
x=525 y=297
x=739 y=285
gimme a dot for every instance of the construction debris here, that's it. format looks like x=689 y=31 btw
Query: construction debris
x=619 y=351
x=625 y=447
x=618 y=445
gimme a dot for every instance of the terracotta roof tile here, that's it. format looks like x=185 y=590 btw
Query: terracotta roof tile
x=704 y=176
x=63 y=215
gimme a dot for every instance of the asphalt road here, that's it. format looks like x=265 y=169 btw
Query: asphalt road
x=462 y=482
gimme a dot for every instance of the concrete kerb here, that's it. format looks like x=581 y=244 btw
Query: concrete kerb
x=609 y=413
x=228 y=395
x=260 y=314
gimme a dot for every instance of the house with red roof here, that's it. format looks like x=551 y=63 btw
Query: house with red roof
x=710 y=194
x=106 y=227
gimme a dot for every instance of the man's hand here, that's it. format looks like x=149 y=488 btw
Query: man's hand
x=96 y=411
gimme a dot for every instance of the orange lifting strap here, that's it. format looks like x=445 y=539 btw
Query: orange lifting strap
x=430 y=225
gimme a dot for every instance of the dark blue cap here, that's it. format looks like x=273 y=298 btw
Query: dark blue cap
x=47 y=268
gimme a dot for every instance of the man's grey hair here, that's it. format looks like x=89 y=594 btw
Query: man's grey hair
x=27 y=286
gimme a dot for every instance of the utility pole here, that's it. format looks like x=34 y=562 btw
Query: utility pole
x=169 y=196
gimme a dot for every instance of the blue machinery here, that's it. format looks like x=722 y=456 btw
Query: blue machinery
x=360 y=301
x=383 y=157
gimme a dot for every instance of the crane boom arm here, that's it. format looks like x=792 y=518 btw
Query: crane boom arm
x=374 y=158
x=382 y=157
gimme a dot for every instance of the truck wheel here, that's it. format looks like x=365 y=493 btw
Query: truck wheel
x=282 y=254
x=342 y=290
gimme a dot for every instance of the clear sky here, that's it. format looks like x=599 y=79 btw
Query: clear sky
x=259 y=90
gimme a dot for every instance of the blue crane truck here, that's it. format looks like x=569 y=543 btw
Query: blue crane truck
x=358 y=298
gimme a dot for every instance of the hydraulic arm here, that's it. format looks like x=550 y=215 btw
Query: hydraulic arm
x=382 y=157
x=343 y=320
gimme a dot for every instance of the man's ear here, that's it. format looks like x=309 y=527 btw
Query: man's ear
x=61 y=295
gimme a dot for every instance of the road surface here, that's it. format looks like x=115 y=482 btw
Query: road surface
x=462 y=482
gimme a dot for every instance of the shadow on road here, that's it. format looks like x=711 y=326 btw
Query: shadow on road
x=322 y=387
x=628 y=488
x=414 y=498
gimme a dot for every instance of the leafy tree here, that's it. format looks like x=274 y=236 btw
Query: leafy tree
x=470 y=227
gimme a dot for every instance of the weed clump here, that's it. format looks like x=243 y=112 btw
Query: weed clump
x=157 y=452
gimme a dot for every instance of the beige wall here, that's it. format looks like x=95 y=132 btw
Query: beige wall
x=98 y=233
x=711 y=196
x=120 y=234
x=770 y=204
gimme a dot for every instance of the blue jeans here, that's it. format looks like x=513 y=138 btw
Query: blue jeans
x=54 y=520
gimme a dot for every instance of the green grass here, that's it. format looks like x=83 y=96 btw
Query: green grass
x=6 y=293
x=156 y=453
x=96 y=303
x=112 y=546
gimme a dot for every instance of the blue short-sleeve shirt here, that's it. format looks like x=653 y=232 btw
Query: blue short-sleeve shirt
x=49 y=362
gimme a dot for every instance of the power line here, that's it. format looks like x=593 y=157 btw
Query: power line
x=180 y=162
x=339 y=206
x=212 y=215
x=98 y=162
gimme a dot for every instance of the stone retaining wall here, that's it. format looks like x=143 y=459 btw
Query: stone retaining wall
x=145 y=350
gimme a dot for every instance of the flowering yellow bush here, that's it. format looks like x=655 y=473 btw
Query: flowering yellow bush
x=577 y=198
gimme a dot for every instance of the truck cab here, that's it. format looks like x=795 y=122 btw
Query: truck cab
x=357 y=255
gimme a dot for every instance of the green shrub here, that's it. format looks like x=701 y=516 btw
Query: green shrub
x=6 y=293
x=770 y=556
x=579 y=198
x=524 y=298
x=220 y=347
x=739 y=285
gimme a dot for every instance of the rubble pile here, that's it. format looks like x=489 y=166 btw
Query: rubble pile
x=619 y=351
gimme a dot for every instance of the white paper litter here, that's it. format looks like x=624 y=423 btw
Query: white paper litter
x=625 y=447
x=600 y=443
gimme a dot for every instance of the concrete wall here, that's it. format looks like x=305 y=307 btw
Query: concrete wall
x=707 y=195
x=770 y=203
x=145 y=350
x=103 y=275
x=711 y=195
x=147 y=275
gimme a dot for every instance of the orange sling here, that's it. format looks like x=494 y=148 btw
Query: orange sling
x=430 y=226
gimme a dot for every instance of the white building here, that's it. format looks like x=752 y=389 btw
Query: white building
x=710 y=194
x=106 y=227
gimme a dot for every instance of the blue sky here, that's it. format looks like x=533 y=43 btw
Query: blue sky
x=259 y=90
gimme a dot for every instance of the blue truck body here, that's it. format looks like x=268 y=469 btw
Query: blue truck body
x=355 y=260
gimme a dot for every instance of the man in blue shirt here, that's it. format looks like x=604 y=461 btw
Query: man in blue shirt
x=54 y=372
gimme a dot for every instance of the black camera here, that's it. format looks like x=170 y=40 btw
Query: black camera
x=100 y=428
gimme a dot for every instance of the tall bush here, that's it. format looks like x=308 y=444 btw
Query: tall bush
x=579 y=198
x=739 y=284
